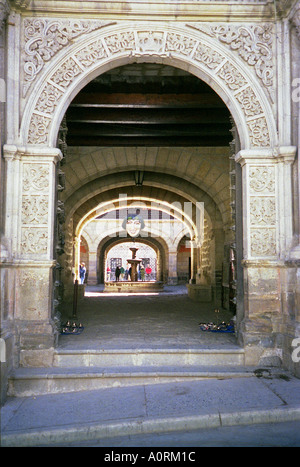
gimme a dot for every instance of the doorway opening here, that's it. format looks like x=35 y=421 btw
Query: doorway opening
x=118 y=256
x=156 y=132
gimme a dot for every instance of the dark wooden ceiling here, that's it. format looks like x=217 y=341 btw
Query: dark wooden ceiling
x=147 y=105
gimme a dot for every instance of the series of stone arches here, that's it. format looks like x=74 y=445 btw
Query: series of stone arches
x=48 y=86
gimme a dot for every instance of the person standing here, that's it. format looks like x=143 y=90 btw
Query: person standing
x=118 y=271
x=82 y=272
x=122 y=271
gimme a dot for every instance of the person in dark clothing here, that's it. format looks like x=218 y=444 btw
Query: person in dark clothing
x=118 y=272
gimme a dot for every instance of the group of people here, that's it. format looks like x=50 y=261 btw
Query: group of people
x=125 y=274
x=120 y=273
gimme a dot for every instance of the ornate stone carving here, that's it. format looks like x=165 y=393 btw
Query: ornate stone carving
x=262 y=211
x=44 y=38
x=152 y=42
x=35 y=177
x=38 y=130
x=263 y=242
x=34 y=240
x=207 y=56
x=249 y=102
x=35 y=209
x=122 y=41
x=91 y=54
x=48 y=98
x=253 y=44
x=262 y=179
x=259 y=132
x=231 y=76
x=162 y=43
x=66 y=73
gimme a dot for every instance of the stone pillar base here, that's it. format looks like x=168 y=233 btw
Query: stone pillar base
x=37 y=358
x=200 y=293
x=36 y=341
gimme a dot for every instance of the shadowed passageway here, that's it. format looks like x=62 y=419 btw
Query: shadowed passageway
x=169 y=320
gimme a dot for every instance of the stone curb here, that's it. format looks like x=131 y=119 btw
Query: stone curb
x=78 y=433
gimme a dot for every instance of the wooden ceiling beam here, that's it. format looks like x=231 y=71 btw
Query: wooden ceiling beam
x=147 y=116
x=147 y=100
x=93 y=129
x=203 y=141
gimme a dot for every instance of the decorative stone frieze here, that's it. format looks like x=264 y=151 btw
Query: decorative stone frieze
x=43 y=38
x=253 y=43
x=259 y=178
x=204 y=53
x=31 y=232
x=35 y=209
x=262 y=211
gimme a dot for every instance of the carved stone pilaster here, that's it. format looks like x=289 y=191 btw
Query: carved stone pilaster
x=29 y=226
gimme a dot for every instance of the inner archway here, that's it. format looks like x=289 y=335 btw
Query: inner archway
x=132 y=174
x=118 y=256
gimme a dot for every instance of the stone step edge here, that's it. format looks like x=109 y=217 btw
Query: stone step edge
x=148 y=351
x=92 y=431
x=147 y=357
x=27 y=382
x=97 y=371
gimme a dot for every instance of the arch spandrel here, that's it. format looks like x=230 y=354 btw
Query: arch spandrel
x=183 y=47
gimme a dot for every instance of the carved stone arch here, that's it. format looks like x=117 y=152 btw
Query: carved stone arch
x=115 y=45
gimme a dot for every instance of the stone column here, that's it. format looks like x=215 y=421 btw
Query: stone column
x=267 y=233
x=93 y=261
x=29 y=226
x=172 y=277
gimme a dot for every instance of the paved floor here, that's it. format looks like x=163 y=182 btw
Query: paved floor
x=166 y=320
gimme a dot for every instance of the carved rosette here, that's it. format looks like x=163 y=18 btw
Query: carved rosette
x=161 y=43
x=262 y=207
x=35 y=209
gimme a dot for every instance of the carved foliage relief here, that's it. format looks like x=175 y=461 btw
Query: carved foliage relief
x=40 y=34
x=35 y=209
x=262 y=211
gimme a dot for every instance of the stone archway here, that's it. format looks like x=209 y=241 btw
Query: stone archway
x=199 y=50
x=158 y=245
x=31 y=157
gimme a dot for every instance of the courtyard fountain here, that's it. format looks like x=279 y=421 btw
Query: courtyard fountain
x=134 y=263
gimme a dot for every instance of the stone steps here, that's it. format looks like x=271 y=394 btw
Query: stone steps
x=75 y=370
x=148 y=357
x=26 y=382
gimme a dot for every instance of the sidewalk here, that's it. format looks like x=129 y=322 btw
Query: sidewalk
x=269 y=396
